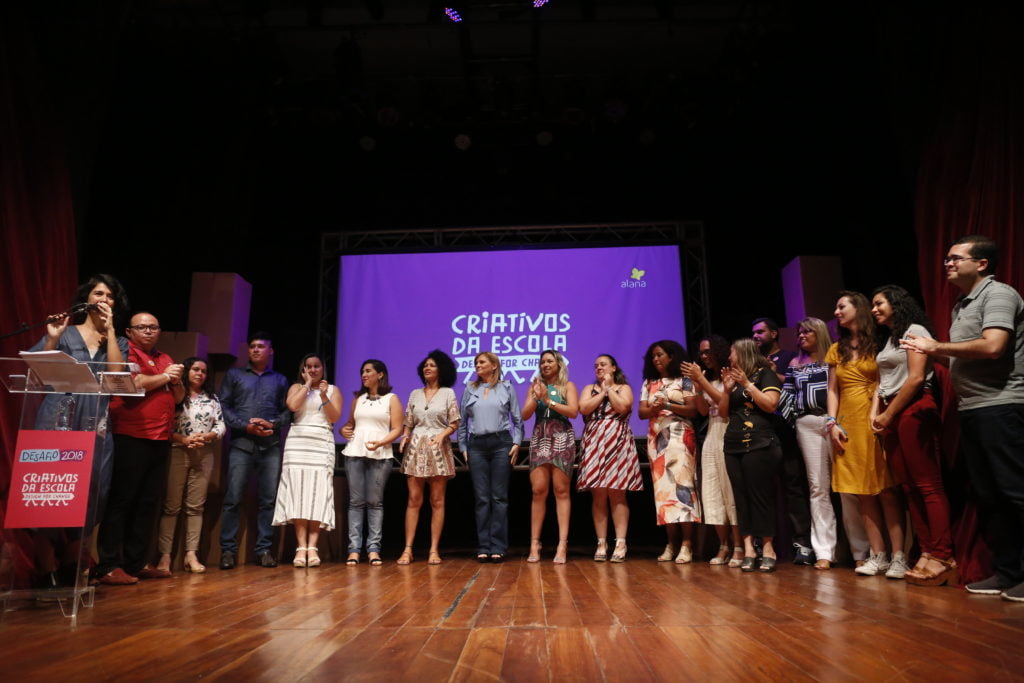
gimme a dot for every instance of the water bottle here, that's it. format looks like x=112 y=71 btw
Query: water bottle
x=65 y=420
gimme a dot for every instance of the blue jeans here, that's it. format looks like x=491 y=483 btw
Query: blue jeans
x=245 y=455
x=489 y=468
x=366 y=479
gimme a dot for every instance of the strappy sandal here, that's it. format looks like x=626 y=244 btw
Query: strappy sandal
x=722 y=557
x=534 y=555
x=602 y=550
x=312 y=558
x=300 y=558
x=406 y=556
x=561 y=551
x=620 y=550
x=374 y=559
x=352 y=559
x=919 y=568
x=685 y=555
x=434 y=557
x=668 y=554
x=948 y=575
x=737 y=558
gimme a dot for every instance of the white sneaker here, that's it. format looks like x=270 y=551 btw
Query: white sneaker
x=875 y=565
x=898 y=566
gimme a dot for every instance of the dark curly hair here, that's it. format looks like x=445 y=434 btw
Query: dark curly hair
x=905 y=312
x=445 y=368
x=121 y=305
x=866 y=342
x=720 y=348
x=676 y=355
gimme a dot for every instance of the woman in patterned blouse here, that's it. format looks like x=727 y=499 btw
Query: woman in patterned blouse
x=807 y=382
x=198 y=426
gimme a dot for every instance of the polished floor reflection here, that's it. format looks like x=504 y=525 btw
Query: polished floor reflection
x=461 y=620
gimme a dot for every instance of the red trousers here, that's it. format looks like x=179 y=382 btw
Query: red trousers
x=913 y=452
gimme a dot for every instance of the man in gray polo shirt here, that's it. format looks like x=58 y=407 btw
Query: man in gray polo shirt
x=986 y=351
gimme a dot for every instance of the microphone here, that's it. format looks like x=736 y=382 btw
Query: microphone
x=74 y=310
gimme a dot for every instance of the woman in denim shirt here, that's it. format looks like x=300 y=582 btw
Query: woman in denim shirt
x=490 y=433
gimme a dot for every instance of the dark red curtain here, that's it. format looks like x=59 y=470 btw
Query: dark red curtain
x=971 y=176
x=37 y=229
x=971 y=181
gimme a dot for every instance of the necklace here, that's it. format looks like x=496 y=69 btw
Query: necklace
x=429 y=397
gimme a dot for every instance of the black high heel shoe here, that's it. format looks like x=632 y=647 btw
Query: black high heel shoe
x=749 y=564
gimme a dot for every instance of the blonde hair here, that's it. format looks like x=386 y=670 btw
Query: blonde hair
x=749 y=357
x=821 y=333
x=562 y=378
x=497 y=363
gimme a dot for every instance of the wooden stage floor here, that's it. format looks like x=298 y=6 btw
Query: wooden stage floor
x=461 y=620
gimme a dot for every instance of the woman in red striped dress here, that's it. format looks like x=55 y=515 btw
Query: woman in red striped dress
x=608 y=462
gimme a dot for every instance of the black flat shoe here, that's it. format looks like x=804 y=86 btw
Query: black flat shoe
x=227 y=560
x=749 y=564
x=767 y=564
x=482 y=558
x=497 y=558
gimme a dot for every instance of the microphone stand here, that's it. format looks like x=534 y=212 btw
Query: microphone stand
x=25 y=327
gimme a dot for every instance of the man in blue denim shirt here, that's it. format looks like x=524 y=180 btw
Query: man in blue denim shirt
x=253 y=399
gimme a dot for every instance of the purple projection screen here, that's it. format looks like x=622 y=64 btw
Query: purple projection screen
x=582 y=302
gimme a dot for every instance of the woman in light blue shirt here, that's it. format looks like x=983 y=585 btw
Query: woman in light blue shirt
x=489 y=434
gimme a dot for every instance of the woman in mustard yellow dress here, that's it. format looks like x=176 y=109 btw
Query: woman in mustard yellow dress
x=859 y=465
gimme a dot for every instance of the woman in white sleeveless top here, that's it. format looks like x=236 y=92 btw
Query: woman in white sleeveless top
x=375 y=422
x=305 y=495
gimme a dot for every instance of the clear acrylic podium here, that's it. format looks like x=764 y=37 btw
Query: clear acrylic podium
x=64 y=411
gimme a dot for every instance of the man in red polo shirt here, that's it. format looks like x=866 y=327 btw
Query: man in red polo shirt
x=142 y=431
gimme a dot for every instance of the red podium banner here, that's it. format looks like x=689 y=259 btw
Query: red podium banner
x=50 y=479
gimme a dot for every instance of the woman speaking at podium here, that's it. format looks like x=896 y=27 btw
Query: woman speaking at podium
x=87 y=332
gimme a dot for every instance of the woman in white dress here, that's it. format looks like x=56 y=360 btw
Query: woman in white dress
x=716 y=489
x=305 y=495
x=374 y=424
x=431 y=417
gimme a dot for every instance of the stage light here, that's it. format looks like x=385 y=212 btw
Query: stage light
x=540 y=3
x=462 y=142
x=453 y=14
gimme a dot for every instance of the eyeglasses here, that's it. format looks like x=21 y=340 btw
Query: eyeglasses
x=804 y=333
x=704 y=352
x=145 y=328
x=957 y=258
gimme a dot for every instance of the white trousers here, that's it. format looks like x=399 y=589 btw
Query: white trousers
x=817 y=451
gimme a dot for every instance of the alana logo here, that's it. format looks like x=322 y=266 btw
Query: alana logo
x=635 y=280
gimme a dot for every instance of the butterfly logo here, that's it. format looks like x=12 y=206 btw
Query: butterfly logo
x=637 y=274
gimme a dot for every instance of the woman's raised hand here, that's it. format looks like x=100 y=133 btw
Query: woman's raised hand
x=691 y=370
x=537 y=389
x=56 y=324
x=105 y=316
